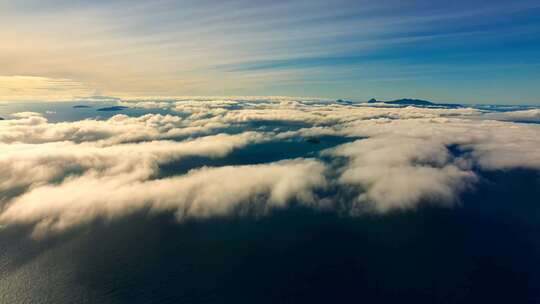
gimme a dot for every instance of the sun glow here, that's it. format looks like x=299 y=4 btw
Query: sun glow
x=29 y=88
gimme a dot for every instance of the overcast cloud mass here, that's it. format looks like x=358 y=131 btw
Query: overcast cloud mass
x=60 y=175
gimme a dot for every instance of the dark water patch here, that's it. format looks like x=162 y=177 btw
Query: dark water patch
x=459 y=151
x=113 y=108
x=18 y=247
x=81 y=106
x=512 y=195
x=256 y=154
x=526 y=121
x=275 y=125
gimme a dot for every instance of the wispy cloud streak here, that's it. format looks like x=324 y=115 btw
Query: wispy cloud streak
x=213 y=47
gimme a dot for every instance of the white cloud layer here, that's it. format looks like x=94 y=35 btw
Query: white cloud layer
x=34 y=128
x=399 y=172
x=37 y=164
x=201 y=193
x=61 y=175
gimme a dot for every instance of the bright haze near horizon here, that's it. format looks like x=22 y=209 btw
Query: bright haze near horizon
x=269 y=151
x=459 y=51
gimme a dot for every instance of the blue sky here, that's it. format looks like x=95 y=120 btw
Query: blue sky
x=463 y=51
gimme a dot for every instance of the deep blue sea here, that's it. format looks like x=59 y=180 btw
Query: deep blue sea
x=485 y=250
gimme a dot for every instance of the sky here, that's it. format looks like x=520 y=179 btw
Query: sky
x=459 y=51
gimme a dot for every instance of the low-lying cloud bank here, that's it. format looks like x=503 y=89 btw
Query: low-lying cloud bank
x=200 y=193
x=56 y=176
x=33 y=165
x=34 y=128
x=399 y=172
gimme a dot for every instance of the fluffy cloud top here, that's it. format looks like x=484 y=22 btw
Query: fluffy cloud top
x=200 y=193
x=34 y=128
x=407 y=155
x=36 y=164
x=398 y=172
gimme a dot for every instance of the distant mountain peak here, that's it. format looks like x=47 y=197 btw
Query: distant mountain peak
x=344 y=101
x=411 y=101
x=113 y=108
x=415 y=102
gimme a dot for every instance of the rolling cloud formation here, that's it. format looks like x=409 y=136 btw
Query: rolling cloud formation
x=57 y=176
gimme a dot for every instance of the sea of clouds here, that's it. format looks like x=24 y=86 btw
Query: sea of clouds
x=56 y=176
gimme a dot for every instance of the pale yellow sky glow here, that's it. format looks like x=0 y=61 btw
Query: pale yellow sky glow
x=33 y=88
x=66 y=52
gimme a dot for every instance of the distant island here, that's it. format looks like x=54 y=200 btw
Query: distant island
x=113 y=108
x=415 y=102
x=405 y=102
x=344 y=101
x=81 y=106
